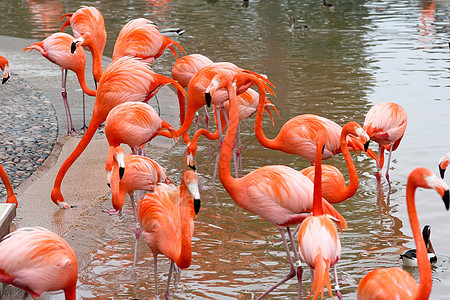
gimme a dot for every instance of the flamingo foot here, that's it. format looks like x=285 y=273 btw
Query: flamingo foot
x=112 y=211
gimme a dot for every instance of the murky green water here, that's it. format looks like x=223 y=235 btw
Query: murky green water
x=354 y=55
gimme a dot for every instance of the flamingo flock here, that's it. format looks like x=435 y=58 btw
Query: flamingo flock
x=37 y=260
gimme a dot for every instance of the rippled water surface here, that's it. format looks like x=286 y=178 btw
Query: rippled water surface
x=354 y=55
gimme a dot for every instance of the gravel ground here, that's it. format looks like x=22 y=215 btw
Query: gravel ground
x=28 y=131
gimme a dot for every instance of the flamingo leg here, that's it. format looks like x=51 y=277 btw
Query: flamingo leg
x=236 y=169
x=219 y=144
x=84 y=113
x=298 y=263
x=378 y=174
x=137 y=231
x=155 y=262
x=338 y=288
x=207 y=127
x=166 y=293
x=25 y=296
x=70 y=128
x=291 y=271
x=388 y=164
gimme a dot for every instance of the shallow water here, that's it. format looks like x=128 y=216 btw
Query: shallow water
x=354 y=55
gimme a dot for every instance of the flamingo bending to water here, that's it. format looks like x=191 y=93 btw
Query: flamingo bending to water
x=38 y=260
x=278 y=194
x=396 y=283
x=124 y=80
x=385 y=123
x=56 y=49
x=4 y=66
x=334 y=187
x=167 y=221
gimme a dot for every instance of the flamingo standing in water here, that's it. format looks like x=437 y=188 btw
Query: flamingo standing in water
x=11 y=198
x=167 y=221
x=56 y=49
x=38 y=260
x=334 y=188
x=318 y=239
x=88 y=27
x=396 y=283
x=4 y=66
x=124 y=80
x=132 y=173
x=277 y=193
x=385 y=123
x=443 y=164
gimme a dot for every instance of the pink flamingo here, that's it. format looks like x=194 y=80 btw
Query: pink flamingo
x=167 y=221
x=11 y=198
x=334 y=187
x=385 y=123
x=4 y=66
x=140 y=38
x=134 y=124
x=132 y=173
x=396 y=283
x=56 y=49
x=88 y=27
x=318 y=239
x=38 y=260
x=124 y=80
x=278 y=194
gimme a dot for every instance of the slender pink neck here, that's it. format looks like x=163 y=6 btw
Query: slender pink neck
x=83 y=85
x=317 y=198
x=425 y=279
x=97 y=65
x=352 y=187
x=228 y=181
x=187 y=216
x=262 y=139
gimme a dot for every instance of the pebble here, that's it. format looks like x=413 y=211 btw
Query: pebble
x=28 y=131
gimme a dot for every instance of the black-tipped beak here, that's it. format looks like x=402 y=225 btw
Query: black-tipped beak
x=121 y=172
x=5 y=79
x=366 y=146
x=73 y=47
x=442 y=172
x=446 y=199
x=192 y=167
x=323 y=149
x=208 y=99
x=196 y=206
x=109 y=185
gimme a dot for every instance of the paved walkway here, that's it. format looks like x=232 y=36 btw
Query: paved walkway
x=34 y=144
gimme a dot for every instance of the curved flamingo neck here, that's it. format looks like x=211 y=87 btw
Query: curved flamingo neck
x=90 y=131
x=97 y=65
x=260 y=136
x=423 y=263
x=229 y=182
x=317 y=198
x=186 y=215
x=352 y=187
x=83 y=85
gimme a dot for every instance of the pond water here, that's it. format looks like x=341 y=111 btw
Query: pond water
x=353 y=55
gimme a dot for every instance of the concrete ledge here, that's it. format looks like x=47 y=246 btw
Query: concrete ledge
x=7 y=214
